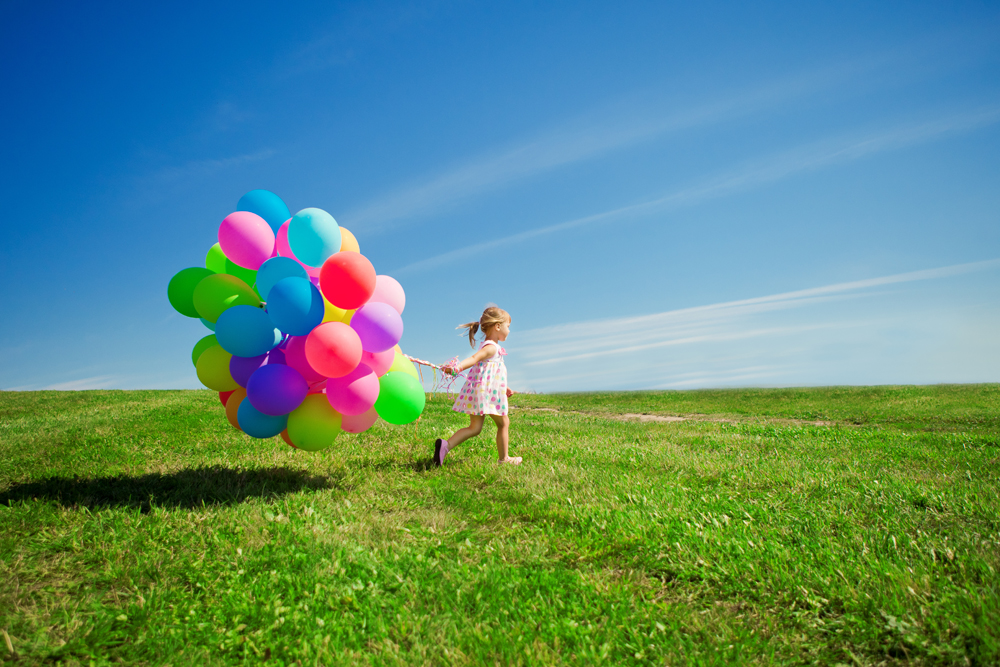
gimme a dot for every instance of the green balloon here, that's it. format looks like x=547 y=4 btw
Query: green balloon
x=201 y=346
x=180 y=291
x=213 y=369
x=249 y=276
x=215 y=260
x=400 y=398
x=218 y=292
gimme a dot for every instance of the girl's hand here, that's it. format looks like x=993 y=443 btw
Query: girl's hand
x=510 y=392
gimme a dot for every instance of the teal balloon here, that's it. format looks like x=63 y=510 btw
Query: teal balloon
x=267 y=205
x=258 y=425
x=209 y=325
x=313 y=235
x=246 y=331
x=275 y=269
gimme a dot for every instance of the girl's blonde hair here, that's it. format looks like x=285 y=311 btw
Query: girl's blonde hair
x=492 y=316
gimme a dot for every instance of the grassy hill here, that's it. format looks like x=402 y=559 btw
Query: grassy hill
x=791 y=526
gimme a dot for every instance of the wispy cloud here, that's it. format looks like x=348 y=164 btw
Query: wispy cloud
x=770 y=170
x=623 y=350
x=586 y=138
x=96 y=382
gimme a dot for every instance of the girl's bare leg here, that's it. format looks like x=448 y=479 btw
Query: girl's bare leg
x=470 y=431
x=503 y=424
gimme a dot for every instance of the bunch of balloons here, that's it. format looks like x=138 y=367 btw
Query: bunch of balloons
x=306 y=334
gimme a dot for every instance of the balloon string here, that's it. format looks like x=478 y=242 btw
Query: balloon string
x=446 y=382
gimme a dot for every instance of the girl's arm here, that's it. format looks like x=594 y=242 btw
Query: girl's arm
x=484 y=353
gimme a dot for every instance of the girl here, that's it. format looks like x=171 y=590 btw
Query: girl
x=485 y=391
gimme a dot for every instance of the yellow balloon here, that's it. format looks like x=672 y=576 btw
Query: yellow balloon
x=213 y=369
x=334 y=314
x=314 y=425
x=402 y=364
x=348 y=241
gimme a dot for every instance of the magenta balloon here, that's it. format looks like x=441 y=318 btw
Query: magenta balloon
x=246 y=238
x=359 y=423
x=355 y=393
x=284 y=250
x=295 y=356
x=388 y=290
x=276 y=389
x=378 y=325
x=380 y=362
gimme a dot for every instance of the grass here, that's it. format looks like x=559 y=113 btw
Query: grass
x=858 y=526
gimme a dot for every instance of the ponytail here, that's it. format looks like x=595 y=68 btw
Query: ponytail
x=473 y=328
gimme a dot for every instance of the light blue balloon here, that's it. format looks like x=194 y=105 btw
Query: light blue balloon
x=313 y=235
x=246 y=331
x=267 y=205
x=275 y=269
x=295 y=306
x=258 y=425
x=211 y=327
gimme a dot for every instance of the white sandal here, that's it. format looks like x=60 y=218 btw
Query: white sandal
x=513 y=460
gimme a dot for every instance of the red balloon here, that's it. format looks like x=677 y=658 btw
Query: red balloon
x=333 y=349
x=224 y=395
x=347 y=279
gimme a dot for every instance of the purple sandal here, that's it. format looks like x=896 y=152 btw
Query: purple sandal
x=440 y=451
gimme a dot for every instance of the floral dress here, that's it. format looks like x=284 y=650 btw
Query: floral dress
x=485 y=389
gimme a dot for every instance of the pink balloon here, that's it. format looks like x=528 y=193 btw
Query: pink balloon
x=388 y=290
x=284 y=250
x=295 y=356
x=359 y=423
x=379 y=361
x=246 y=238
x=355 y=393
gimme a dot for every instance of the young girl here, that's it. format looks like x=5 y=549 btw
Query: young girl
x=485 y=391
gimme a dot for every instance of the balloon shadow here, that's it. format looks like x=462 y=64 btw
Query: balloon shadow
x=188 y=488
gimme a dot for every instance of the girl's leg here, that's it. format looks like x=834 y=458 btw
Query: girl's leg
x=470 y=431
x=503 y=438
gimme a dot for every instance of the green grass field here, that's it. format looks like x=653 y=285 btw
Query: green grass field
x=858 y=526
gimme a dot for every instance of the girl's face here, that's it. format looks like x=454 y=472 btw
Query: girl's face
x=502 y=330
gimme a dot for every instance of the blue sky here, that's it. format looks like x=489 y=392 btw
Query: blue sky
x=667 y=195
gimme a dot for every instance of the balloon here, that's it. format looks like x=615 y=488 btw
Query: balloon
x=355 y=393
x=313 y=235
x=246 y=331
x=233 y=406
x=208 y=325
x=401 y=398
x=224 y=396
x=275 y=269
x=181 y=289
x=213 y=369
x=334 y=314
x=347 y=279
x=388 y=290
x=314 y=425
x=215 y=260
x=276 y=389
x=359 y=423
x=295 y=306
x=241 y=368
x=246 y=239
x=281 y=246
x=201 y=346
x=256 y=424
x=249 y=276
x=403 y=365
x=218 y=292
x=379 y=326
x=295 y=356
x=284 y=436
x=267 y=205
x=333 y=349
x=380 y=362
x=348 y=242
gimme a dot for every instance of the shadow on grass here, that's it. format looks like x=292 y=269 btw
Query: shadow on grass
x=189 y=488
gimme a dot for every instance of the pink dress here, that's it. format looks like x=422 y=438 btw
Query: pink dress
x=485 y=389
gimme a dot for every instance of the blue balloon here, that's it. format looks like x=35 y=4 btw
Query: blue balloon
x=295 y=306
x=313 y=235
x=246 y=331
x=267 y=205
x=275 y=269
x=258 y=425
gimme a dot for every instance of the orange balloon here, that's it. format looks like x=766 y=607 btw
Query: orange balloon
x=284 y=436
x=347 y=241
x=233 y=406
